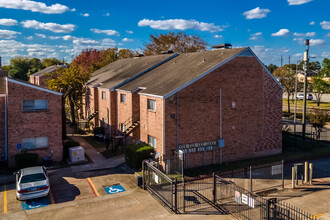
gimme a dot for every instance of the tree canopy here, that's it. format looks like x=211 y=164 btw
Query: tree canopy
x=180 y=42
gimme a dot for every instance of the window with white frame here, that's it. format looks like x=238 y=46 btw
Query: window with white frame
x=123 y=127
x=104 y=95
x=123 y=98
x=35 y=105
x=152 y=104
x=152 y=141
x=35 y=143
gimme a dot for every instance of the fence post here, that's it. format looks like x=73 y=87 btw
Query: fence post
x=306 y=172
x=282 y=174
x=214 y=188
x=250 y=178
x=143 y=185
x=310 y=173
x=176 y=196
x=293 y=177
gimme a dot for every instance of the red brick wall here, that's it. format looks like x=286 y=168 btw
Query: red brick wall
x=33 y=124
x=42 y=81
x=151 y=122
x=113 y=112
x=91 y=103
x=104 y=109
x=251 y=129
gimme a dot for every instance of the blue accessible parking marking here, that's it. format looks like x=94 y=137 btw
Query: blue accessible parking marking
x=35 y=203
x=114 y=189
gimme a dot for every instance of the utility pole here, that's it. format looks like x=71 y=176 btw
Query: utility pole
x=289 y=60
x=305 y=88
x=281 y=60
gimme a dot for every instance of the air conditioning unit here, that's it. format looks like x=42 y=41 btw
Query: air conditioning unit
x=76 y=154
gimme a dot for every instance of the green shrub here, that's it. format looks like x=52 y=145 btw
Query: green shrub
x=136 y=153
x=98 y=130
x=25 y=159
x=66 y=145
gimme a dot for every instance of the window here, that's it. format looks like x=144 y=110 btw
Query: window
x=35 y=105
x=34 y=143
x=152 y=141
x=123 y=98
x=152 y=104
x=104 y=95
x=123 y=127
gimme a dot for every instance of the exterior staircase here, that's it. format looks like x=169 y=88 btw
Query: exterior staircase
x=131 y=128
x=92 y=115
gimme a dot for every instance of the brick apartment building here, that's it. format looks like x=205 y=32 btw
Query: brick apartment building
x=40 y=78
x=30 y=118
x=215 y=106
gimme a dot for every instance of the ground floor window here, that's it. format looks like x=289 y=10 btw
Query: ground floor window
x=123 y=127
x=35 y=143
x=152 y=141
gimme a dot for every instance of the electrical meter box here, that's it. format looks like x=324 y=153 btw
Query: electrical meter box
x=76 y=154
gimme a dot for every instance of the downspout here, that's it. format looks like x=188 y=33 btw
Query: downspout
x=163 y=127
x=6 y=123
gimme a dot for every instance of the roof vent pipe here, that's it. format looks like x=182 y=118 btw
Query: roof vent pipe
x=221 y=46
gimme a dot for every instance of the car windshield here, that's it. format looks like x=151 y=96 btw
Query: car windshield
x=33 y=178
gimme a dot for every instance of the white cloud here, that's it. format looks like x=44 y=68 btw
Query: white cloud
x=57 y=28
x=298 y=2
x=41 y=35
x=84 y=14
x=129 y=32
x=29 y=38
x=8 y=22
x=107 y=32
x=325 y=25
x=256 y=13
x=218 y=36
x=255 y=36
x=316 y=42
x=127 y=40
x=298 y=55
x=107 y=14
x=34 y=6
x=326 y=54
x=312 y=23
x=54 y=37
x=7 y=34
x=179 y=24
x=328 y=35
x=308 y=34
x=282 y=32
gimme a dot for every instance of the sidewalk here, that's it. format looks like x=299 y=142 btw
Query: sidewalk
x=99 y=161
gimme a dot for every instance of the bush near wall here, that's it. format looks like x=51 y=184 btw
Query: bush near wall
x=25 y=159
x=136 y=153
x=67 y=144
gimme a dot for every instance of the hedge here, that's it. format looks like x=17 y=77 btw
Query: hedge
x=136 y=153
x=25 y=159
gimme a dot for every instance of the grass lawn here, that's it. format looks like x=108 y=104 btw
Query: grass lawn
x=310 y=104
x=294 y=149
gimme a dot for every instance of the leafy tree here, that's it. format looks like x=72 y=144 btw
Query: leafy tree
x=311 y=65
x=71 y=82
x=87 y=59
x=35 y=66
x=179 y=42
x=286 y=77
x=271 y=67
x=318 y=86
x=319 y=119
x=125 y=53
x=325 y=70
x=19 y=68
x=51 y=61
x=5 y=68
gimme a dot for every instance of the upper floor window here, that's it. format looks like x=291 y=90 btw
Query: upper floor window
x=34 y=143
x=104 y=95
x=123 y=98
x=152 y=104
x=35 y=105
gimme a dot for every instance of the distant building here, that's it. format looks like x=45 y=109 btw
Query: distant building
x=40 y=78
x=215 y=106
x=30 y=119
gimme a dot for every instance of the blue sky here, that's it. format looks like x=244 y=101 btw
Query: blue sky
x=62 y=28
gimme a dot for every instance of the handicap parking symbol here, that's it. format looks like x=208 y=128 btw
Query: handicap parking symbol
x=35 y=203
x=114 y=189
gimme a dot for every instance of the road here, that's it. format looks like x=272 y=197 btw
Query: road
x=324 y=98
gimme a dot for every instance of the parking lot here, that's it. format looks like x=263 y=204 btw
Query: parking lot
x=89 y=195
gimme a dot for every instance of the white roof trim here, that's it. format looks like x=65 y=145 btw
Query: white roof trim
x=151 y=95
x=33 y=86
x=121 y=90
x=262 y=64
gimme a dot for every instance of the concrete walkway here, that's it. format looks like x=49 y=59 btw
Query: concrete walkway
x=99 y=161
